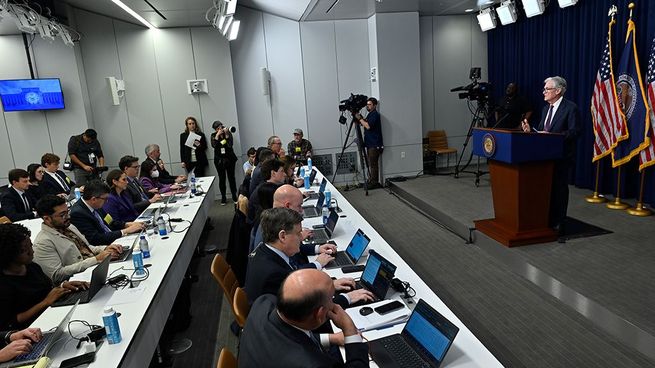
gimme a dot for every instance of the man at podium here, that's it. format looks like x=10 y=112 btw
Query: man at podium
x=559 y=116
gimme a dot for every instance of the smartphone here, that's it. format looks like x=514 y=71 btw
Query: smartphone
x=78 y=360
x=350 y=269
x=389 y=307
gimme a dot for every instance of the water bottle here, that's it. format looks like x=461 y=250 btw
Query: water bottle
x=192 y=184
x=161 y=226
x=137 y=260
x=307 y=183
x=145 y=247
x=328 y=197
x=326 y=213
x=302 y=171
x=78 y=194
x=309 y=163
x=110 y=319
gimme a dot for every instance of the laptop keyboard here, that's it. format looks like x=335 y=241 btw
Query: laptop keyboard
x=310 y=212
x=37 y=349
x=401 y=352
x=320 y=236
x=71 y=298
x=341 y=259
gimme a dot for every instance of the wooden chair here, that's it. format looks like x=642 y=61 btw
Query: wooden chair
x=226 y=359
x=224 y=276
x=438 y=143
x=241 y=306
x=5 y=220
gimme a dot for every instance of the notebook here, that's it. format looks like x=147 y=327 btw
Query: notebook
x=322 y=233
x=315 y=210
x=353 y=252
x=321 y=189
x=42 y=347
x=98 y=278
x=424 y=341
x=376 y=277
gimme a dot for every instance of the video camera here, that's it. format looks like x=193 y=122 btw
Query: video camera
x=354 y=103
x=476 y=91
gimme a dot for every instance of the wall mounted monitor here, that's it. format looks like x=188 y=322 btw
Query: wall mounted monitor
x=31 y=94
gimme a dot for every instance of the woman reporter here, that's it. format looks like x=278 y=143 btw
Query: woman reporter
x=193 y=158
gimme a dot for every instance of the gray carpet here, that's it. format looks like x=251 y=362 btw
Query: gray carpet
x=518 y=322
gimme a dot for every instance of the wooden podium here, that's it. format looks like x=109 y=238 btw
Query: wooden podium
x=521 y=170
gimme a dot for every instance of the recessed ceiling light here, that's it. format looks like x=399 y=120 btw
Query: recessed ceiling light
x=133 y=13
x=469 y=10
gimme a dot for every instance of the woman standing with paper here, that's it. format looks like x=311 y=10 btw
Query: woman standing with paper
x=193 y=145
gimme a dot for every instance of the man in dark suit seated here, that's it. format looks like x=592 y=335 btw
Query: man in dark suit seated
x=154 y=154
x=17 y=204
x=93 y=222
x=560 y=116
x=273 y=260
x=282 y=336
x=140 y=197
x=55 y=181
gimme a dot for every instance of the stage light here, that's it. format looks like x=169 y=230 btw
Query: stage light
x=133 y=13
x=226 y=25
x=507 y=12
x=487 y=19
x=234 y=31
x=533 y=7
x=565 y=3
x=231 y=7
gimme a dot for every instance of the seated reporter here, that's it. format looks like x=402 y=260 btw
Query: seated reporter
x=36 y=172
x=55 y=181
x=150 y=178
x=25 y=291
x=15 y=343
x=17 y=203
x=141 y=198
x=286 y=323
x=97 y=226
x=119 y=204
x=59 y=248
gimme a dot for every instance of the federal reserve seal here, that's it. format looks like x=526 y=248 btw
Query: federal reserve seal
x=489 y=144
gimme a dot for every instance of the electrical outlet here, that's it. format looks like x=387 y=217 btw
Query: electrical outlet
x=402 y=154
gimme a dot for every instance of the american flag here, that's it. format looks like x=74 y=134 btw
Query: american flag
x=647 y=156
x=608 y=120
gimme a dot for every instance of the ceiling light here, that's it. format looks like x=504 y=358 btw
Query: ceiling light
x=487 y=19
x=469 y=10
x=533 y=7
x=133 y=13
x=507 y=12
x=565 y=3
x=231 y=7
x=226 y=25
x=25 y=19
x=234 y=31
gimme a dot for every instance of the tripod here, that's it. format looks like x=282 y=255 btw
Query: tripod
x=479 y=116
x=363 y=157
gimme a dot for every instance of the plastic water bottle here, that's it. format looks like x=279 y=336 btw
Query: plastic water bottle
x=78 y=194
x=144 y=246
x=309 y=163
x=110 y=319
x=302 y=171
x=192 y=184
x=328 y=197
x=161 y=226
x=326 y=213
x=307 y=183
x=137 y=260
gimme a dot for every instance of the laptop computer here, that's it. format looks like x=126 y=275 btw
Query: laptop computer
x=321 y=189
x=353 y=252
x=322 y=233
x=98 y=279
x=377 y=275
x=424 y=341
x=315 y=210
x=42 y=348
x=127 y=250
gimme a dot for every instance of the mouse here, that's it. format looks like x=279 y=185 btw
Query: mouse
x=365 y=311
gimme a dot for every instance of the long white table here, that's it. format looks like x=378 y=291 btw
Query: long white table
x=466 y=351
x=142 y=319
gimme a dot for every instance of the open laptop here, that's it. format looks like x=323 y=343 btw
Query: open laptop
x=315 y=210
x=127 y=250
x=322 y=233
x=424 y=341
x=321 y=189
x=98 y=279
x=353 y=252
x=41 y=348
x=376 y=277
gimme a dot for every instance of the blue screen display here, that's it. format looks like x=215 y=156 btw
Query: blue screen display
x=357 y=245
x=428 y=336
x=371 y=270
x=31 y=94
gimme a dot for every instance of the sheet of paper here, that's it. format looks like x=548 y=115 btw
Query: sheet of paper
x=376 y=320
x=127 y=295
x=192 y=138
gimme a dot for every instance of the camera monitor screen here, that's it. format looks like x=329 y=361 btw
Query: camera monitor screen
x=31 y=94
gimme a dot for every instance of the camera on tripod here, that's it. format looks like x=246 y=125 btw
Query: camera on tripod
x=353 y=104
x=475 y=91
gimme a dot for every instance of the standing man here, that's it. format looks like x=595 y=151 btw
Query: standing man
x=154 y=155
x=86 y=155
x=299 y=148
x=512 y=109
x=560 y=116
x=372 y=141
x=16 y=202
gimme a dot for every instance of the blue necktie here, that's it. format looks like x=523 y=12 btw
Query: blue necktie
x=293 y=263
x=102 y=222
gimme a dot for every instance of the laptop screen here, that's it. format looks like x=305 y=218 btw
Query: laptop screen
x=323 y=184
x=429 y=332
x=332 y=221
x=377 y=274
x=357 y=245
x=321 y=198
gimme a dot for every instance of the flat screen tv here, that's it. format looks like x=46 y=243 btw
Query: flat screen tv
x=31 y=94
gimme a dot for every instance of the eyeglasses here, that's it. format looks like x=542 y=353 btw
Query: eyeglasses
x=63 y=215
x=546 y=89
x=40 y=171
x=103 y=198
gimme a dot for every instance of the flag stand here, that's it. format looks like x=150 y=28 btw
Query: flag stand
x=596 y=198
x=617 y=204
x=639 y=209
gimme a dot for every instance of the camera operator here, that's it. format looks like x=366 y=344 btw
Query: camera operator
x=86 y=155
x=372 y=140
x=224 y=159
x=299 y=148
x=512 y=109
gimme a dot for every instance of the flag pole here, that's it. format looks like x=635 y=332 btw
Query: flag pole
x=596 y=198
x=617 y=204
x=639 y=209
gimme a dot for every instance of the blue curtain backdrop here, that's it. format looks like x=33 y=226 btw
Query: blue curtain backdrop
x=568 y=42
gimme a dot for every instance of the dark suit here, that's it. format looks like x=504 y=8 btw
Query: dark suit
x=87 y=224
x=201 y=154
x=14 y=207
x=164 y=176
x=138 y=194
x=268 y=341
x=266 y=272
x=52 y=186
x=566 y=121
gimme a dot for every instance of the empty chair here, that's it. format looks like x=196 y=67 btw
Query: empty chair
x=241 y=306
x=438 y=143
x=5 y=220
x=226 y=359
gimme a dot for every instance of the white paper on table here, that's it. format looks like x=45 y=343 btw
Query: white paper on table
x=376 y=320
x=191 y=139
x=127 y=295
x=84 y=275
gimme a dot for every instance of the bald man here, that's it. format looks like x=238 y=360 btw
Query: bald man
x=304 y=303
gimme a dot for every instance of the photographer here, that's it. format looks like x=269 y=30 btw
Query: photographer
x=86 y=155
x=224 y=159
x=372 y=140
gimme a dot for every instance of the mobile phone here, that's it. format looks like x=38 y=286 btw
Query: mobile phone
x=389 y=307
x=78 y=360
x=350 y=269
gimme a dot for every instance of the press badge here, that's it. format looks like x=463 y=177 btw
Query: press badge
x=297 y=149
x=222 y=151
x=92 y=158
x=108 y=219
x=224 y=142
